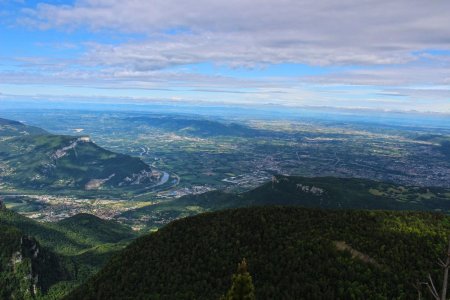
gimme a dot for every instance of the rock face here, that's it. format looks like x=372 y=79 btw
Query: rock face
x=27 y=270
x=24 y=263
x=59 y=153
x=310 y=189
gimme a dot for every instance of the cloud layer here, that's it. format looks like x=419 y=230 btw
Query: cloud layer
x=248 y=32
x=390 y=48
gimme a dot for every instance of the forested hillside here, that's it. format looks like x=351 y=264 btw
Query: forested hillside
x=292 y=253
x=26 y=269
x=10 y=128
x=318 y=192
x=32 y=158
x=46 y=260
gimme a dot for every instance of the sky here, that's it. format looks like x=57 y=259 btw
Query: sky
x=372 y=54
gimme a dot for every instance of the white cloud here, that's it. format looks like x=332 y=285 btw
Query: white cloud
x=419 y=74
x=387 y=40
x=249 y=32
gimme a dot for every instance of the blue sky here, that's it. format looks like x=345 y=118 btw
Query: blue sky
x=380 y=55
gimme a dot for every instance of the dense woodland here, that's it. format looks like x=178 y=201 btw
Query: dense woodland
x=292 y=253
x=46 y=260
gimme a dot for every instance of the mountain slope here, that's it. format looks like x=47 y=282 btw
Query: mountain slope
x=34 y=159
x=96 y=229
x=292 y=253
x=26 y=269
x=9 y=128
x=320 y=192
x=67 y=252
x=196 y=126
x=70 y=236
x=333 y=192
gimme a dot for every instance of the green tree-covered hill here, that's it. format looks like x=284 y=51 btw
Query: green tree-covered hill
x=292 y=253
x=95 y=229
x=46 y=260
x=34 y=159
x=319 y=192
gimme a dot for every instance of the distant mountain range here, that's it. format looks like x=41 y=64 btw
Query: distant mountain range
x=196 y=126
x=32 y=158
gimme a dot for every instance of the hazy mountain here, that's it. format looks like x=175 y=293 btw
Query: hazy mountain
x=196 y=126
x=10 y=128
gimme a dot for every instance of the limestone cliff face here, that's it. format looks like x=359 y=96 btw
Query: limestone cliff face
x=31 y=249
x=24 y=264
x=27 y=269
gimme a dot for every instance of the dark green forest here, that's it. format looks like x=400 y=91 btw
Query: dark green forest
x=292 y=253
x=47 y=260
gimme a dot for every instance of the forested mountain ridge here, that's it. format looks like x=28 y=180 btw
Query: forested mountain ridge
x=318 y=192
x=46 y=260
x=292 y=253
x=96 y=229
x=31 y=158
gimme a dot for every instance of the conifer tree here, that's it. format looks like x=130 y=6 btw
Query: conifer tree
x=242 y=287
